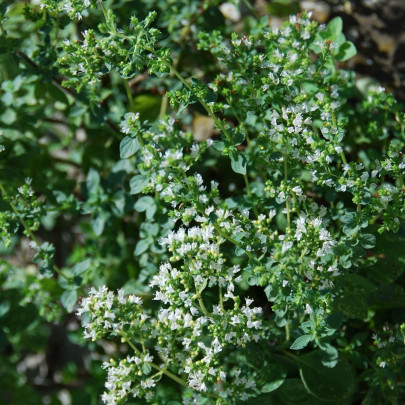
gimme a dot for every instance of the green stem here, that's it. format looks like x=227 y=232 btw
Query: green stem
x=56 y=31
x=201 y=302
x=401 y=181
x=342 y=155
x=242 y=125
x=287 y=332
x=104 y=12
x=230 y=239
x=249 y=192
x=252 y=10
x=165 y=100
x=292 y=356
x=221 y=300
x=173 y=69
x=164 y=371
x=163 y=106
x=129 y=95
x=142 y=143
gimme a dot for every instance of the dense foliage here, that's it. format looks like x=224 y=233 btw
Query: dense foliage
x=218 y=201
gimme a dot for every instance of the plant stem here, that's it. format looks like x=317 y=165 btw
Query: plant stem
x=251 y=9
x=235 y=242
x=200 y=301
x=129 y=95
x=249 y=192
x=165 y=99
x=221 y=300
x=292 y=356
x=173 y=69
x=401 y=181
x=164 y=371
x=155 y=366
x=163 y=106
x=287 y=332
x=104 y=12
x=242 y=125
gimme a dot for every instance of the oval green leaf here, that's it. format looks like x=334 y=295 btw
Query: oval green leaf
x=332 y=384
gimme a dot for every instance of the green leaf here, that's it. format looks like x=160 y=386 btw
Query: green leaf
x=68 y=299
x=334 y=28
x=329 y=384
x=389 y=296
x=144 y=203
x=142 y=246
x=93 y=181
x=149 y=229
x=314 y=45
x=355 y=294
x=57 y=94
x=121 y=204
x=79 y=268
x=301 y=342
x=4 y=307
x=211 y=97
x=150 y=212
x=334 y=320
x=238 y=162
x=391 y=258
x=128 y=147
x=293 y=392
x=339 y=250
x=275 y=375
x=330 y=356
x=137 y=183
x=346 y=51
x=353 y=305
x=219 y=145
x=367 y=240
x=98 y=223
x=348 y=218
x=146 y=368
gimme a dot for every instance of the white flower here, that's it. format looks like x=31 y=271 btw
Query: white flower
x=230 y=11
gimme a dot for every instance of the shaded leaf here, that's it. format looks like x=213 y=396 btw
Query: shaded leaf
x=301 y=342
x=325 y=383
x=128 y=147
x=68 y=299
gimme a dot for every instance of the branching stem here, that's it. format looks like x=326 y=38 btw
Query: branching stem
x=29 y=232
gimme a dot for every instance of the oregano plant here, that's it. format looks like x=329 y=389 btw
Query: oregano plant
x=211 y=208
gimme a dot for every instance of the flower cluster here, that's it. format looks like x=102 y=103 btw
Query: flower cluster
x=187 y=337
x=389 y=351
x=24 y=207
x=255 y=239
x=291 y=234
x=73 y=8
